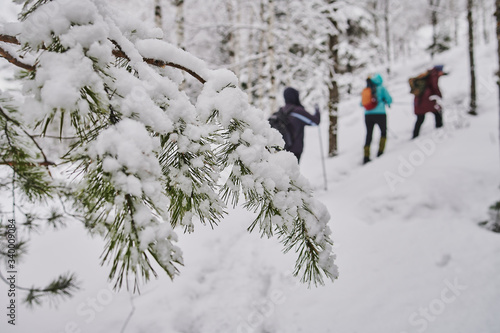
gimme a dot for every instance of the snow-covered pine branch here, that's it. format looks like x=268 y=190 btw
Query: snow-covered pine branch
x=146 y=159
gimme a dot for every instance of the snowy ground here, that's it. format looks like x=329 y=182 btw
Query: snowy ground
x=410 y=253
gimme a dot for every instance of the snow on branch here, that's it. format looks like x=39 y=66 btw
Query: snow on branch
x=146 y=158
x=13 y=60
x=116 y=52
x=161 y=63
x=9 y=39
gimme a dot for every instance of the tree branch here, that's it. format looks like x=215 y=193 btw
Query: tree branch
x=9 y=39
x=161 y=63
x=13 y=163
x=10 y=58
x=116 y=52
x=45 y=162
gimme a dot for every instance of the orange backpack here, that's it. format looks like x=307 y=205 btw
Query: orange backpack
x=369 y=96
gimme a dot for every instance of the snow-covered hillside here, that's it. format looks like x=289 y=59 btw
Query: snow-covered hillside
x=411 y=255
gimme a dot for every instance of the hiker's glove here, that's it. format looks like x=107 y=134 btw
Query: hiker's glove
x=438 y=100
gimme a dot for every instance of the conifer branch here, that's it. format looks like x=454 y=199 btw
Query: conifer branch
x=64 y=286
x=33 y=164
x=116 y=52
x=45 y=162
x=9 y=39
x=161 y=63
x=135 y=190
x=34 y=221
x=10 y=58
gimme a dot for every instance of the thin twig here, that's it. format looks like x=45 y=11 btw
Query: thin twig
x=161 y=63
x=125 y=324
x=10 y=58
x=13 y=163
x=9 y=39
x=76 y=217
x=55 y=137
x=2 y=277
x=45 y=162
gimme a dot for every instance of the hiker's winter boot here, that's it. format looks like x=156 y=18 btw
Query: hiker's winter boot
x=381 y=146
x=366 y=157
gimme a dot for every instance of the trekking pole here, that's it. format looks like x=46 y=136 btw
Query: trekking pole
x=322 y=158
x=322 y=155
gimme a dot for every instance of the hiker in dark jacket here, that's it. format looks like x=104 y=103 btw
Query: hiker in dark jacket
x=298 y=118
x=377 y=116
x=427 y=102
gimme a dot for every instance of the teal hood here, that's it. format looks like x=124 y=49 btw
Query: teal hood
x=383 y=96
x=377 y=79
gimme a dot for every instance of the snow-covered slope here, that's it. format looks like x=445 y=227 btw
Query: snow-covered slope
x=410 y=253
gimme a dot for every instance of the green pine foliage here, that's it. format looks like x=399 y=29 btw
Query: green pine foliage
x=27 y=181
x=493 y=222
x=144 y=159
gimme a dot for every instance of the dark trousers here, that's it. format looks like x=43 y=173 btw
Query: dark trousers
x=420 y=121
x=375 y=119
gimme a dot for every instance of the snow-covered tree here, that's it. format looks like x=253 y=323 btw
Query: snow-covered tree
x=136 y=157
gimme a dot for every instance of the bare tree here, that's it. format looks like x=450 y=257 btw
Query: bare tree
x=333 y=88
x=261 y=63
x=453 y=8
x=158 y=14
x=179 y=22
x=387 y=28
x=272 y=56
x=372 y=7
x=434 y=6
x=497 y=15
x=470 y=21
x=485 y=18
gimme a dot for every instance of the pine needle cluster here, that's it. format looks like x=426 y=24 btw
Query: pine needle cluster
x=144 y=159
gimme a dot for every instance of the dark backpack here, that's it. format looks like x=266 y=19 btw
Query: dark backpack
x=280 y=121
x=369 y=95
x=418 y=84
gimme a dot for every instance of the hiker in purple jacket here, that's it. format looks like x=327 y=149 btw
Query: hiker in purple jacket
x=428 y=101
x=298 y=119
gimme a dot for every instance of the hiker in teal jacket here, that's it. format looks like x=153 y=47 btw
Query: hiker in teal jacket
x=377 y=116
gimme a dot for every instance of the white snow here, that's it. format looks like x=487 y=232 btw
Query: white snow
x=410 y=253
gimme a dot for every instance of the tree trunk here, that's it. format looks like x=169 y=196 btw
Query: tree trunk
x=387 y=35
x=333 y=105
x=456 y=24
x=374 y=12
x=434 y=4
x=486 y=21
x=251 y=64
x=179 y=23
x=288 y=61
x=158 y=14
x=271 y=55
x=334 y=96
x=472 y=106
x=232 y=9
x=261 y=64
x=497 y=15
